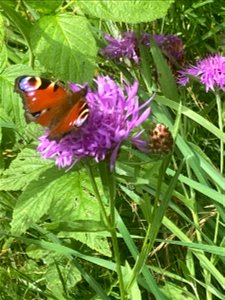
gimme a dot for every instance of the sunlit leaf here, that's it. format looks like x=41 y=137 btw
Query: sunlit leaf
x=133 y=11
x=65 y=46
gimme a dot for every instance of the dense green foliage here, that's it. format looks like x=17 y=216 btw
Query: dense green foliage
x=164 y=238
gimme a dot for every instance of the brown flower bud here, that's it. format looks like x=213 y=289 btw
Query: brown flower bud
x=161 y=140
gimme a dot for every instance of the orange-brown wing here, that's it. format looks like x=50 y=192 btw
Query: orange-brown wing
x=40 y=94
x=51 y=105
x=74 y=118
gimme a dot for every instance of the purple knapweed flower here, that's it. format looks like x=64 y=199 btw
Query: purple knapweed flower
x=169 y=44
x=113 y=114
x=122 y=47
x=210 y=71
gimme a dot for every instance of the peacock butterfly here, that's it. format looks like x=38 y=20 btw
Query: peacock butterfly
x=52 y=105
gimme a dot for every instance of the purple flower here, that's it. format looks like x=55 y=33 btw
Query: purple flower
x=170 y=44
x=210 y=71
x=125 y=46
x=112 y=117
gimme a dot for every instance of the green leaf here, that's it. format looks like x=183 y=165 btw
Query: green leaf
x=177 y=292
x=5 y=120
x=68 y=276
x=192 y=115
x=132 y=11
x=65 y=46
x=134 y=292
x=36 y=199
x=44 y=6
x=95 y=241
x=76 y=226
x=165 y=75
x=22 y=24
x=76 y=202
x=9 y=100
x=25 y=168
x=3 y=56
x=3 y=50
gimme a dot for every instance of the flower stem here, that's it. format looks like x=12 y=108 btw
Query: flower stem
x=97 y=194
x=109 y=185
x=108 y=182
x=220 y=123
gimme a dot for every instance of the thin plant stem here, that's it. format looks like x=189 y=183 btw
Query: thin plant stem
x=108 y=181
x=220 y=123
x=109 y=187
x=97 y=194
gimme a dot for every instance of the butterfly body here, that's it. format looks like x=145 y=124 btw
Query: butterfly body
x=51 y=105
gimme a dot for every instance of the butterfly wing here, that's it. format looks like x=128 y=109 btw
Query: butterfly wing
x=50 y=104
x=74 y=118
x=40 y=95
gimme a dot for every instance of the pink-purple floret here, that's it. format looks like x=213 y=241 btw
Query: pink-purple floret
x=113 y=115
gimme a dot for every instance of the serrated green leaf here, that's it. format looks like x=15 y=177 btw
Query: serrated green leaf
x=25 y=168
x=74 y=203
x=70 y=275
x=132 y=11
x=36 y=199
x=65 y=46
x=5 y=120
x=96 y=241
x=9 y=100
x=44 y=6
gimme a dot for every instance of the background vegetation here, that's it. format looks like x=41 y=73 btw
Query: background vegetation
x=169 y=211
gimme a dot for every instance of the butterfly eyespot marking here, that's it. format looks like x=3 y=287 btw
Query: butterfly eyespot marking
x=29 y=84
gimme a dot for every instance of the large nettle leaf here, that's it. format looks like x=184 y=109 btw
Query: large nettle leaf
x=65 y=46
x=79 y=215
x=9 y=100
x=25 y=168
x=70 y=275
x=36 y=199
x=132 y=11
x=54 y=193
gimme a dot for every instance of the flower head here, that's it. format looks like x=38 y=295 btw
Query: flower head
x=210 y=71
x=125 y=46
x=113 y=115
x=161 y=140
x=170 y=44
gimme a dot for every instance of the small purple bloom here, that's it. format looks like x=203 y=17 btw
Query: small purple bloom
x=210 y=71
x=125 y=46
x=113 y=115
x=170 y=44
